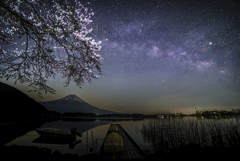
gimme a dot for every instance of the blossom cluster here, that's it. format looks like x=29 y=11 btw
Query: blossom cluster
x=42 y=27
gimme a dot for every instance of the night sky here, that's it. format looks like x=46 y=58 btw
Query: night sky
x=162 y=56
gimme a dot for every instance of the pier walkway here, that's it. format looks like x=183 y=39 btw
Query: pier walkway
x=130 y=149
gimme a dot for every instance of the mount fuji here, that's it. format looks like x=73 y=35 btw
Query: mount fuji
x=73 y=104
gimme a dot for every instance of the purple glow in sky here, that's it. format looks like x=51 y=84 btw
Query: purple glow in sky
x=163 y=56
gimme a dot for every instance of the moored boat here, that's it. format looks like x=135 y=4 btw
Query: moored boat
x=113 y=143
x=58 y=133
x=113 y=128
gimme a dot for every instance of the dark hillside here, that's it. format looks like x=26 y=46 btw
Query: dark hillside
x=15 y=105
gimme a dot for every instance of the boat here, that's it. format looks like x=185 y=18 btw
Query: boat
x=118 y=145
x=58 y=133
x=113 y=128
x=113 y=143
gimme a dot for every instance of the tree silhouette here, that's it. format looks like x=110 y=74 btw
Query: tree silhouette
x=31 y=31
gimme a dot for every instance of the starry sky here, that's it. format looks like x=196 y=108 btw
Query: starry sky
x=162 y=56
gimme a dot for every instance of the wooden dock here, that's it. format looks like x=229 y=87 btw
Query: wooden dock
x=130 y=149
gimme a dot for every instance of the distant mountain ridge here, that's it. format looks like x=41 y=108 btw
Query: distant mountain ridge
x=73 y=104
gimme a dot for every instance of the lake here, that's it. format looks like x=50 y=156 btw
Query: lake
x=93 y=132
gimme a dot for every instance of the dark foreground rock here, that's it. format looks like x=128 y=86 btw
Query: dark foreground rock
x=186 y=152
x=32 y=153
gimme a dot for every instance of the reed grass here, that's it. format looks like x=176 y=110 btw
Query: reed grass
x=205 y=132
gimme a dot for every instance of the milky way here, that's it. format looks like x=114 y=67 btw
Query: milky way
x=165 y=55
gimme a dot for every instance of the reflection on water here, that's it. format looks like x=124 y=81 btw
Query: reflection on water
x=51 y=140
x=93 y=133
x=91 y=130
x=144 y=132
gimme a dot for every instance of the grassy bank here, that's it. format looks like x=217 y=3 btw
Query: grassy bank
x=215 y=133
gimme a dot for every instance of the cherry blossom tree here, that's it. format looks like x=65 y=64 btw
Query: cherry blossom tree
x=40 y=38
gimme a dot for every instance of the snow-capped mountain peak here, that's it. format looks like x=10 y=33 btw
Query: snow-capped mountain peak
x=71 y=98
x=73 y=104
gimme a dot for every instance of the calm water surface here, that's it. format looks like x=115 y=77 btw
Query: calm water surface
x=93 y=132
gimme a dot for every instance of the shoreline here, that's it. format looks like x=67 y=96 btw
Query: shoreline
x=99 y=118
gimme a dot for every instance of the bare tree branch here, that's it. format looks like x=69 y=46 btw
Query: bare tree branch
x=43 y=24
